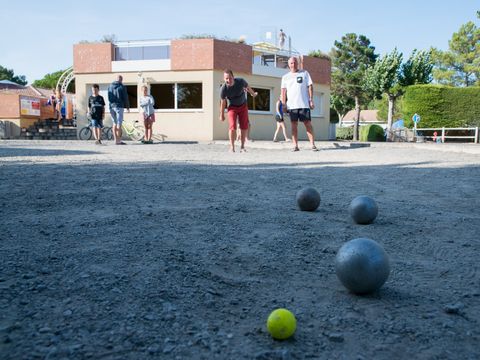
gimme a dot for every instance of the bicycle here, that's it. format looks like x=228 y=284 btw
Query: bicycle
x=86 y=133
x=133 y=130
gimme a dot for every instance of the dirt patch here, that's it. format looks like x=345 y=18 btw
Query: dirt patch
x=181 y=251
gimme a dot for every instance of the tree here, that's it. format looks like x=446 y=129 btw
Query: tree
x=352 y=56
x=460 y=65
x=8 y=74
x=50 y=81
x=389 y=76
x=340 y=102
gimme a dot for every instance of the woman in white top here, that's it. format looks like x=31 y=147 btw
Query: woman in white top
x=148 y=112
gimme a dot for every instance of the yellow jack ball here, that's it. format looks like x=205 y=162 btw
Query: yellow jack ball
x=281 y=324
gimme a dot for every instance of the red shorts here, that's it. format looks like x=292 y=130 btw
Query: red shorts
x=242 y=113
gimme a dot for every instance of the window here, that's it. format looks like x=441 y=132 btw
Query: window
x=189 y=96
x=123 y=53
x=132 y=95
x=261 y=102
x=164 y=95
x=318 y=101
x=177 y=96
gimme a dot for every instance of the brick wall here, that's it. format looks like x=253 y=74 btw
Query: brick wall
x=191 y=54
x=9 y=106
x=92 y=58
x=319 y=69
x=228 y=55
x=208 y=54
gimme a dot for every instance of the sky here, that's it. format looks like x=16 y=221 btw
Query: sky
x=36 y=38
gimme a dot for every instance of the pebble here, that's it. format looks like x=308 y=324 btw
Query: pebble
x=44 y=330
x=335 y=337
x=454 y=309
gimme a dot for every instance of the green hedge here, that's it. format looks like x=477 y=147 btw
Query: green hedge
x=371 y=133
x=344 y=133
x=442 y=106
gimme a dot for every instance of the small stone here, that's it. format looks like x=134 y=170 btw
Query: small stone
x=150 y=317
x=168 y=348
x=153 y=349
x=335 y=337
x=44 y=330
x=454 y=309
x=67 y=312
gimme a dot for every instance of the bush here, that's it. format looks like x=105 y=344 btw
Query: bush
x=372 y=133
x=344 y=133
x=442 y=106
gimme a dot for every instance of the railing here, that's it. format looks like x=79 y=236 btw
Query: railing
x=445 y=134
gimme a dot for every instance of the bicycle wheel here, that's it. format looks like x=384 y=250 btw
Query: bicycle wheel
x=137 y=133
x=107 y=133
x=85 y=133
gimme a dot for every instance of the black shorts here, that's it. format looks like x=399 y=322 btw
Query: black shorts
x=279 y=118
x=300 y=115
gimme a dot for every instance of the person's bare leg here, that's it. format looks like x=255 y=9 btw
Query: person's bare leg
x=295 y=134
x=276 y=132
x=232 y=135
x=115 y=133
x=150 y=131
x=284 y=129
x=243 y=136
x=96 y=133
x=310 y=134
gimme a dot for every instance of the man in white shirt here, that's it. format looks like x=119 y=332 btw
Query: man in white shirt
x=297 y=87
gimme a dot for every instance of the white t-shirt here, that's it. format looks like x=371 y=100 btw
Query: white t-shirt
x=297 y=84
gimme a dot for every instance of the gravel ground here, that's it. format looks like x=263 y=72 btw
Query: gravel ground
x=181 y=250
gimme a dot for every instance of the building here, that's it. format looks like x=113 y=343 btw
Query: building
x=22 y=107
x=367 y=117
x=184 y=77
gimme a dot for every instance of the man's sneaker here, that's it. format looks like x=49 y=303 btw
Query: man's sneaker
x=314 y=148
x=295 y=149
x=97 y=142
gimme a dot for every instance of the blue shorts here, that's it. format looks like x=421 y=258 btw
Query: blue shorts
x=97 y=123
x=300 y=114
x=117 y=115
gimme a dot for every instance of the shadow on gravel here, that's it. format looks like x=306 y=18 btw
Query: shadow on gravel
x=186 y=261
x=19 y=152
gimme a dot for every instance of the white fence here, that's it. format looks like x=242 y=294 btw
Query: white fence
x=445 y=133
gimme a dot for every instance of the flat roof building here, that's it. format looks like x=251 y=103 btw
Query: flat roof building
x=185 y=76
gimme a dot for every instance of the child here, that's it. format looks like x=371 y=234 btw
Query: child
x=280 y=121
x=146 y=103
x=96 y=112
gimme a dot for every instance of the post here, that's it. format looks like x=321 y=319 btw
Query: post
x=443 y=135
x=476 y=135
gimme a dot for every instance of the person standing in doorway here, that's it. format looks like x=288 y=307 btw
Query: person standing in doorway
x=148 y=114
x=118 y=99
x=233 y=90
x=96 y=112
x=297 y=87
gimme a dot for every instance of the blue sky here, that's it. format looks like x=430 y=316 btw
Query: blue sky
x=37 y=37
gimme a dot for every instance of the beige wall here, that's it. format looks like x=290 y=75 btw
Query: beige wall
x=179 y=125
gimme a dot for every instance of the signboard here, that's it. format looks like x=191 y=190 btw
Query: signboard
x=29 y=106
x=416 y=118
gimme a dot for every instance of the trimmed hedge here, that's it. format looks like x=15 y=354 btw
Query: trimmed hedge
x=372 y=133
x=442 y=106
x=344 y=133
